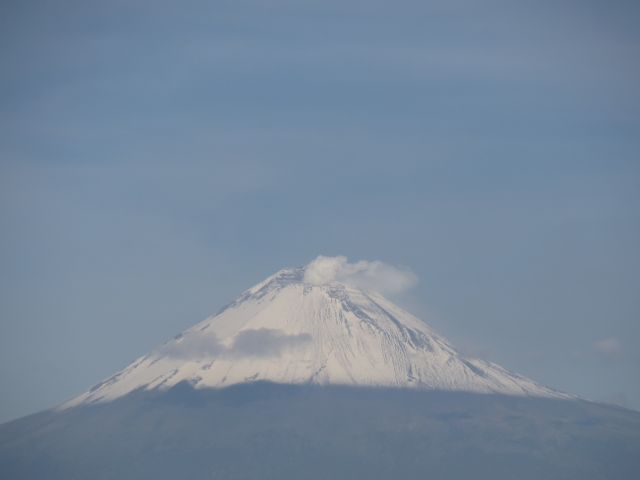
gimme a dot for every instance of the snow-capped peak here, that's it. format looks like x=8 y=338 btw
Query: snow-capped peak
x=318 y=324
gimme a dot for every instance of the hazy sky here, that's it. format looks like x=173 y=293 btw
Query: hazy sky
x=157 y=158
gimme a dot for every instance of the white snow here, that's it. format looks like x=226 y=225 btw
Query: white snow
x=304 y=327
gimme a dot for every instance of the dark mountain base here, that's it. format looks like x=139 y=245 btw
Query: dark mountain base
x=267 y=431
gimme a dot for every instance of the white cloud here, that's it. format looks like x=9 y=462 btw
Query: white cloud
x=369 y=275
x=192 y=347
x=266 y=342
x=608 y=347
x=262 y=342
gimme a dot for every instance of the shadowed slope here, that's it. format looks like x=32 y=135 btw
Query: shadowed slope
x=272 y=431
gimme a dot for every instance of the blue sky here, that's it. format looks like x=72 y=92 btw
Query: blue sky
x=158 y=158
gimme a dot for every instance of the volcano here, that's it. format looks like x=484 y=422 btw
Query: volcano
x=309 y=375
x=291 y=331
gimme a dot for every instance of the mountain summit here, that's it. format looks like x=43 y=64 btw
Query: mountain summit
x=307 y=326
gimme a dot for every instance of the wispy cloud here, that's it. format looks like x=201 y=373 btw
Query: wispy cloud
x=266 y=342
x=261 y=342
x=609 y=348
x=370 y=275
x=192 y=347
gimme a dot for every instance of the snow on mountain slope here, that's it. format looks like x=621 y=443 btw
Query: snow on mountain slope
x=292 y=328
